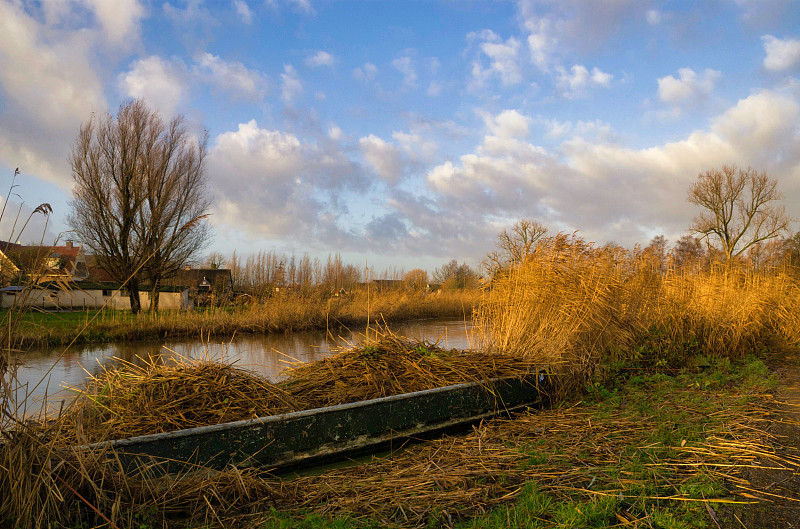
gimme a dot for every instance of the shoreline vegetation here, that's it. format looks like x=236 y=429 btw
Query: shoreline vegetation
x=280 y=313
x=663 y=412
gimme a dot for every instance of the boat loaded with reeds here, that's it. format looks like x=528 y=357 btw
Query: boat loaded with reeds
x=216 y=415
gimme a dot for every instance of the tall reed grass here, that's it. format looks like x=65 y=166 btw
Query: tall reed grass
x=283 y=312
x=582 y=308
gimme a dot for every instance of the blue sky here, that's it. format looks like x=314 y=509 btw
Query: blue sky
x=409 y=133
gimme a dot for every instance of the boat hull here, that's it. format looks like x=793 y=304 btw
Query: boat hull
x=306 y=437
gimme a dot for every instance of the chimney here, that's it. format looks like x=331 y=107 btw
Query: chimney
x=69 y=244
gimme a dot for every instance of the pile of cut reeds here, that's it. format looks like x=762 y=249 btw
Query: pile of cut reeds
x=393 y=365
x=133 y=400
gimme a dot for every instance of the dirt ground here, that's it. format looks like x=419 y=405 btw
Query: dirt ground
x=779 y=490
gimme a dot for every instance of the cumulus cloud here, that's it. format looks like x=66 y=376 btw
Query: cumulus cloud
x=611 y=191
x=158 y=81
x=503 y=59
x=579 y=25
x=291 y=86
x=507 y=124
x=392 y=160
x=578 y=80
x=688 y=88
x=231 y=77
x=48 y=86
x=405 y=65
x=243 y=10
x=366 y=72
x=782 y=54
x=384 y=157
x=320 y=58
x=273 y=184
x=119 y=19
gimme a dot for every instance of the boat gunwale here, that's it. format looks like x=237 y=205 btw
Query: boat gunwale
x=285 y=417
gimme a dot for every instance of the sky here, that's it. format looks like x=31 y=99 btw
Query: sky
x=409 y=133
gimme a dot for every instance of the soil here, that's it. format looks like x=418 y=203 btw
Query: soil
x=778 y=490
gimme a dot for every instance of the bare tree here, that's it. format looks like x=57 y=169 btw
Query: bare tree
x=514 y=245
x=139 y=197
x=688 y=251
x=739 y=209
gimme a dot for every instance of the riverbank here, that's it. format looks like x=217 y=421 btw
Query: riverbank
x=670 y=448
x=281 y=313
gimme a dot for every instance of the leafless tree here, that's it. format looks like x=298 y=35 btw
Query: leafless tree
x=740 y=209
x=139 y=199
x=688 y=251
x=514 y=245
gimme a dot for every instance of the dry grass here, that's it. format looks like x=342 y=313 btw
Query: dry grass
x=580 y=309
x=184 y=393
x=285 y=312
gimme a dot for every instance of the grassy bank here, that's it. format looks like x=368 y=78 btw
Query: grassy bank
x=651 y=448
x=282 y=313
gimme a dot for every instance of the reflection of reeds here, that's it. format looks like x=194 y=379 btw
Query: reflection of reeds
x=581 y=307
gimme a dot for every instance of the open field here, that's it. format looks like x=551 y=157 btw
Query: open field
x=283 y=313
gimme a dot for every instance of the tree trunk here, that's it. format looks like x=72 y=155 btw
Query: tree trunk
x=154 y=295
x=133 y=295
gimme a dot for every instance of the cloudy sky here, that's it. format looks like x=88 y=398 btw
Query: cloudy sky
x=409 y=133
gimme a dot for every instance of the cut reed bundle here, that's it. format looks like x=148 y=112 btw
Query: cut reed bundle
x=138 y=400
x=391 y=366
x=131 y=400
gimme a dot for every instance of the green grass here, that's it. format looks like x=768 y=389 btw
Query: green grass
x=679 y=410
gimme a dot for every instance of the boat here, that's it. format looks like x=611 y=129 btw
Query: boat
x=309 y=437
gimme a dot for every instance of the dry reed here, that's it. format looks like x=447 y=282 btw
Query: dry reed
x=580 y=309
x=132 y=400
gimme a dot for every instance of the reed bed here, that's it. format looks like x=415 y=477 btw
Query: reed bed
x=581 y=309
x=283 y=312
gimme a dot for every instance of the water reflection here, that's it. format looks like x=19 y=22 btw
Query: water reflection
x=48 y=372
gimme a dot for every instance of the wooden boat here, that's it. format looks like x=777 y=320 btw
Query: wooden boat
x=308 y=437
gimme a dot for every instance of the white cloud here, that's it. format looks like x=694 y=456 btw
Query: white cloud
x=366 y=72
x=579 y=79
x=434 y=89
x=320 y=58
x=303 y=6
x=541 y=43
x=508 y=124
x=232 y=77
x=653 y=17
x=579 y=24
x=273 y=184
x=49 y=84
x=610 y=191
x=291 y=86
x=782 y=54
x=243 y=10
x=120 y=19
x=503 y=59
x=416 y=147
x=689 y=89
x=384 y=157
x=160 y=82
x=405 y=66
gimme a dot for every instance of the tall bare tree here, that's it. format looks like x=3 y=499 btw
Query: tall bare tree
x=740 y=209
x=139 y=195
x=514 y=245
